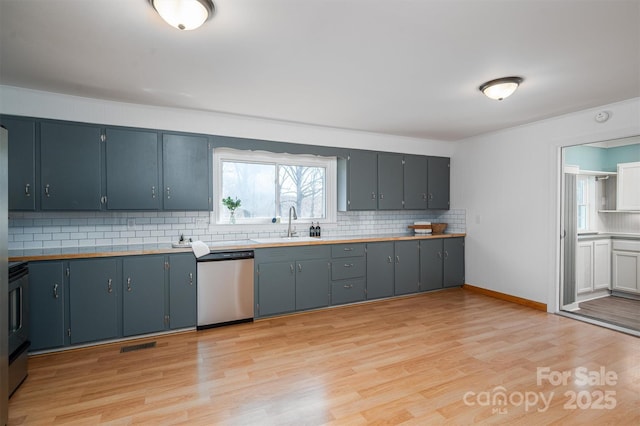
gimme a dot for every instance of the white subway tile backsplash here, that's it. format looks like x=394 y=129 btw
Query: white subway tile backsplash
x=72 y=229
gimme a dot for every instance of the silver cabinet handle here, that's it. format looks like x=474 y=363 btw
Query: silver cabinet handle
x=348 y=286
x=430 y=196
x=373 y=195
x=446 y=254
x=397 y=259
x=27 y=190
x=348 y=265
x=440 y=254
x=110 y=286
x=299 y=267
x=291 y=268
x=381 y=196
x=389 y=260
x=129 y=284
x=153 y=192
x=424 y=196
x=46 y=190
x=168 y=192
x=190 y=278
x=347 y=249
x=55 y=291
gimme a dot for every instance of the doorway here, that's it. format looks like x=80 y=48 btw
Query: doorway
x=600 y=222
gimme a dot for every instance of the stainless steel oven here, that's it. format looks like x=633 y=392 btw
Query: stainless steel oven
x=18 y=323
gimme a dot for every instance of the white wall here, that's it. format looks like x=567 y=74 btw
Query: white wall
x=33 y=103
x=509 y=183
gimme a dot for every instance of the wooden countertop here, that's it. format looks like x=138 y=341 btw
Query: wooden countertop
x=64 y=253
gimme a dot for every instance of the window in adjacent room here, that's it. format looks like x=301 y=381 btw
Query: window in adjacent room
x=268 y=184
x=585 y=196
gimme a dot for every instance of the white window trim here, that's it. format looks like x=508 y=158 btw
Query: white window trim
x=230 y=154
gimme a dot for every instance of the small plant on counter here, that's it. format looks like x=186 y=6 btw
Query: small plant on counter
x=232 y=205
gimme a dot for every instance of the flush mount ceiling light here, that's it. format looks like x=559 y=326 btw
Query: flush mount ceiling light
x=501 y=88
x=184 y=14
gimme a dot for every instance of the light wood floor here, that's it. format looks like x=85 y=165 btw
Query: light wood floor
x=408 y=360
x=612 y=309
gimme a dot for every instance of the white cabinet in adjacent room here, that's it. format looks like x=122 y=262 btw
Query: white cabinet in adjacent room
x=628 y=184
x=626 y=266
x=593 y=265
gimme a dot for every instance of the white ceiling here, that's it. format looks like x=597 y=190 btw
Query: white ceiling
x=400 y=67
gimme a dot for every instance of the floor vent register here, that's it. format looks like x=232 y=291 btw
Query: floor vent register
x=137 y=347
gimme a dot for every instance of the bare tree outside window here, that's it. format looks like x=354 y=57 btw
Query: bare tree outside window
x=302 y=187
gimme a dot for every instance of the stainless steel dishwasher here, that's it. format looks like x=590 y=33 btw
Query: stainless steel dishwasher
x=225 y=288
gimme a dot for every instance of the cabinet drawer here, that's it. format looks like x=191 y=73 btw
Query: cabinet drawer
x=347 y=250
x=626 y=245
x=348 y=291
x=349 y=267
x=287 y=254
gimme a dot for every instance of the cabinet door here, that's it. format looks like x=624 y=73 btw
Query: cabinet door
x=415 y=182
x=22 y=166
x=628 y=195
x=438 y=183
x=46 y=297
x=182 y=290
x=185 y=171
x=70 y=167
x=94 y=288
x=362 y=180
x=276 y=288
x=601 y=264
x=431 y=264
x=390 y=177
x=132 y=170
x=626 y=271
x=312 y=284
x=584 y=267
x=380 y=270
x=453 y=262
x=142 y=294
x=407 y=268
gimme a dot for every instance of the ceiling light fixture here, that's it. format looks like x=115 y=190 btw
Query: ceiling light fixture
x=501 y=88
x=184 y=14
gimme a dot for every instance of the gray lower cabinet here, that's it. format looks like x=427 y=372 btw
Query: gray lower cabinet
x=185 y=170
x=47 y=305
x=22 y=162
x=407 y=267
x=143 y=309
x=348 y=273
x=70 y=166
x=380 y=270
x=441 y=263
x=453 y=262
x=94 y=290
x=276 y=288
x=182 y=291
x=132 y=170
x=290 y=279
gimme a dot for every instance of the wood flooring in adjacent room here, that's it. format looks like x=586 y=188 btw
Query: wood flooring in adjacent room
x=614 y=310
x=438 y=358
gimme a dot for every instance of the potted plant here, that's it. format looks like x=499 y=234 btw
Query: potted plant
x=232 y=205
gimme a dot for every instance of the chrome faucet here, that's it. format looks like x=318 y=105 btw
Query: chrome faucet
x=295 y=217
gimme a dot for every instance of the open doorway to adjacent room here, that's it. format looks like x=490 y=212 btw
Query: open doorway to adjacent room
x=600 y=225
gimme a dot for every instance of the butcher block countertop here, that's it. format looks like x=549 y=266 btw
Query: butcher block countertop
x=167 y=248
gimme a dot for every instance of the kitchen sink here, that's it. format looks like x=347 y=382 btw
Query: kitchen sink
x=285 y=240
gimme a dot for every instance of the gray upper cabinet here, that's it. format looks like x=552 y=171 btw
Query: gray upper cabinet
x=362 y=180
x=70 y=166
x=46 y=304
x=22 y=162
x=390 y=177
x=185 y=169
x=438 y=183
x=415 y=182
x=142 y=294
x=132 y=171
x=94 y=289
